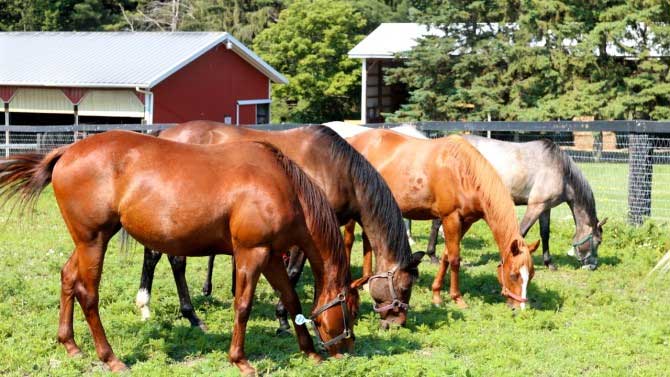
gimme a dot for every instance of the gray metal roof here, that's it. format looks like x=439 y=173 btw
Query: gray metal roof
x=109 y=59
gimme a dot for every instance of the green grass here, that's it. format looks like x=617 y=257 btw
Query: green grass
x=613 y=321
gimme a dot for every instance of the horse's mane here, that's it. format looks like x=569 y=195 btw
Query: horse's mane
x=572 y=173
x=377 y=199
x=319 y=215
x=496 y=199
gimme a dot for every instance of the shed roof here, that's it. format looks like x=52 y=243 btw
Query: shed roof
x=389 y=39
x=109 y=59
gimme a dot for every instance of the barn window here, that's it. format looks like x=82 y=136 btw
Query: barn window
x=263 y=113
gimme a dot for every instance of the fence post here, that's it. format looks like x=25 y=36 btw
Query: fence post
x=640 y=169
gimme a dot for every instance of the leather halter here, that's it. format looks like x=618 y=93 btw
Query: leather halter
x=396 y=303
x=506 y=292
x=346 y=333
x=592 y=248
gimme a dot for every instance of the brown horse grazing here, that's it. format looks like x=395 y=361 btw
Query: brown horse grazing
x=354 y=190
x=190 y=200
x=448 y=179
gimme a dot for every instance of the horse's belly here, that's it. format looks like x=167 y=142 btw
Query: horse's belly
x=171 y=236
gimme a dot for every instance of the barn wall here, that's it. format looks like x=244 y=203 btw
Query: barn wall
x=208 y=88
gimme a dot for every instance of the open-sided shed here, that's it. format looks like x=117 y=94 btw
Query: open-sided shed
x=128 y=77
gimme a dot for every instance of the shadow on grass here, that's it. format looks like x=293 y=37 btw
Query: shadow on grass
x=487 y=288
x=566 y=261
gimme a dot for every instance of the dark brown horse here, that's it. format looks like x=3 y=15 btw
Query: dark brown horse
x=190 y=200
x=354 y=190
x=449 y=179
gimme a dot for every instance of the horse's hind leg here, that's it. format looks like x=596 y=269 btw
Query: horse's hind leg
x=544 y=234
x=279 y=280
x=249 y=264
x=143 y=297
x=294 y=269
x=207 y=287
x=178 y=265
x=65 y=328
x=90 y=257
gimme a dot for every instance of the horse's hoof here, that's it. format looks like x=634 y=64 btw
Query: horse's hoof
x=315 y=357
x=434 y=259
x=437 y=300
x=117 y=366
x=245 y=368
x=551 y=266
x=202 y=327
x=207 y=290
x=460 y=303
x=283 y=331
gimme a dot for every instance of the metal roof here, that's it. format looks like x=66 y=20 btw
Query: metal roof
x=389 y=39
x=109 y=59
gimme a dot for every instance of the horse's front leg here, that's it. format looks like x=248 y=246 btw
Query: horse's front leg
x=533 y=213
x=249 y=264
x=277 y=277
x=432 y=241
x=349 y=236
x=143 y=297
x=207 y=287
x=453 y=232
x=178 y=265
x=367 y=255
x=296 y=263
x=545 y=218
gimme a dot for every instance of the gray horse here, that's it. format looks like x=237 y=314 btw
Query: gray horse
x=539 y=174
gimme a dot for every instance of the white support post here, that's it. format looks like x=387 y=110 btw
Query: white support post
x=237 y=114
x=149 y=107
x=6 y=105
x=364 y=92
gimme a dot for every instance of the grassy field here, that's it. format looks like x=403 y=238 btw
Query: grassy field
x=614 y=321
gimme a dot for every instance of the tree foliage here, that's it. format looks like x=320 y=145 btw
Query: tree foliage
x=309 y=45
x=544 y=60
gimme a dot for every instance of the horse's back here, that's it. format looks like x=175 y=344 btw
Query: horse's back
x=174 y=197
x=529 y=170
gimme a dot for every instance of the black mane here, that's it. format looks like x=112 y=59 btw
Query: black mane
x=582 y=188
x=377 y=199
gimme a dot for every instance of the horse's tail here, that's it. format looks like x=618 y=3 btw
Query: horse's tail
x=25 y=176
x=320 y=217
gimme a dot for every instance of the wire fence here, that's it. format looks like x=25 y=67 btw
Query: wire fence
x=627 y=163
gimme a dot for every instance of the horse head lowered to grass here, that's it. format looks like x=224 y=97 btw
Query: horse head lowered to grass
x=247 y=199
x=449 y=179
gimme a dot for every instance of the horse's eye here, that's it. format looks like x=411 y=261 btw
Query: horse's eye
x=513 y=276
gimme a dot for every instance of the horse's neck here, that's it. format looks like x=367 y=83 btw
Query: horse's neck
x=380 y=240
x=503 y=231
x=583 y=212
x=501 y=221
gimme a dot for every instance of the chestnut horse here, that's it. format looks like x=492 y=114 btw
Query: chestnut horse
x=449 y=179
x=353 y=188
x=187 y=200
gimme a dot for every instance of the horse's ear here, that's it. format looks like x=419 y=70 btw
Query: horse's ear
x=514 y=247
x=533 y=246
x=602 y=222
x=416 y=258
x=358 y=283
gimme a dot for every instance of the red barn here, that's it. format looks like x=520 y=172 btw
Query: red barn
x=128 y=77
